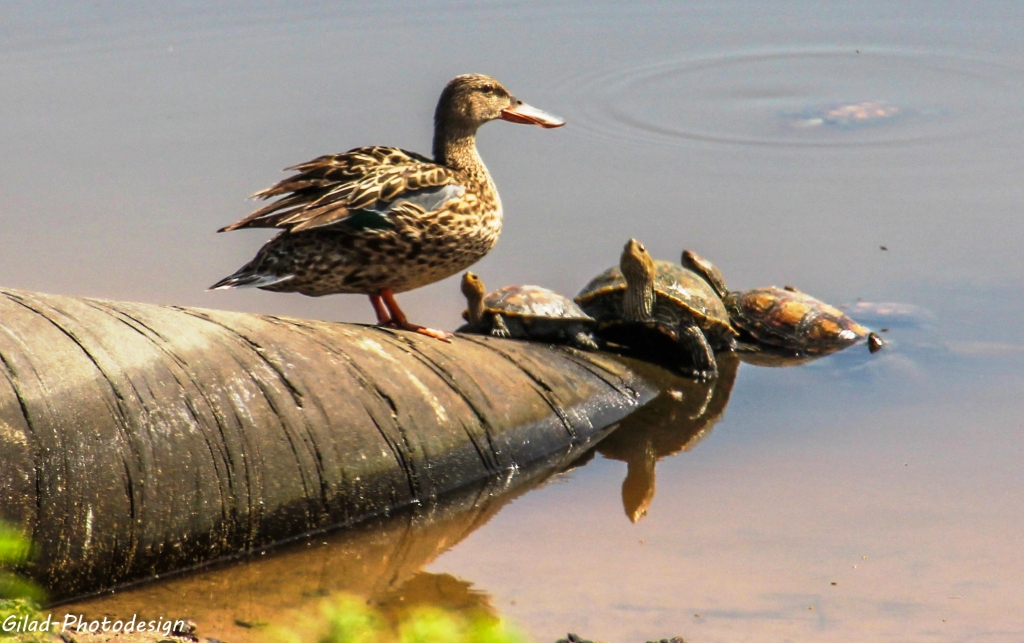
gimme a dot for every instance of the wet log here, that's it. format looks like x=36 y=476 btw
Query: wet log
x=138 y=439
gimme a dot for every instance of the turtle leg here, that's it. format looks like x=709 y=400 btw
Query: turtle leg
x=399 y=320
x=583 y=341
x=498 y=327
x=730 y=345
x=702 y=358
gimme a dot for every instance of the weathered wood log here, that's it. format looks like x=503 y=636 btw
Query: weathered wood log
x=137 y=439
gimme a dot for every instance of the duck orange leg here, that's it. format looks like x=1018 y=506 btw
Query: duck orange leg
x=383 y=316
x=399 y=320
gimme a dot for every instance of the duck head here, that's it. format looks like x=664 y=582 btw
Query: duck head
x=471 y=100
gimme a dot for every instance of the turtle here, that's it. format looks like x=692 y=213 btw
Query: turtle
x=784 y=318
x=525 y=312
x=847 y=115
x=643 y=299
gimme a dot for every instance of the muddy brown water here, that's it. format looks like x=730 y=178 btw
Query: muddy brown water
x=130 y=134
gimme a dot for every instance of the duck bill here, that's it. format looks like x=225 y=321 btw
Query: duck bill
x=527 y=115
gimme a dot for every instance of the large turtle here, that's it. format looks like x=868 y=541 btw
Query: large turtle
x=784 y=318
x=642 y=297
x=525 y=312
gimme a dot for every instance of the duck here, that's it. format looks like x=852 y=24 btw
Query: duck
x=382 y=220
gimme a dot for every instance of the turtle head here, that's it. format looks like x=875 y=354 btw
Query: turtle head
x=706 y=270
x=639 y=271
x=473 y=289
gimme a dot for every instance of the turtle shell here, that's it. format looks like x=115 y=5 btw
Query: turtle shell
x=533 y=301
x=793 y=320
x=674 y=287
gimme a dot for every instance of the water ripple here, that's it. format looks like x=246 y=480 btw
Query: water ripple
x=803 y=98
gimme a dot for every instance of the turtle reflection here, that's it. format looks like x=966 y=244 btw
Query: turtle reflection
x=677 y=420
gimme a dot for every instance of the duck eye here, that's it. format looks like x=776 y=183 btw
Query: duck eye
x=642 y=248
x=488 y=88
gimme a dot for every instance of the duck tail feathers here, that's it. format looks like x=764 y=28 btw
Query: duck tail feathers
x=244 y=279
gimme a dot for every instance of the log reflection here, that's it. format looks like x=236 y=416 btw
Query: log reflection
x=381 y=559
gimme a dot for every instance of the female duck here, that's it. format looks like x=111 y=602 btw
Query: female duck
x=381 y=220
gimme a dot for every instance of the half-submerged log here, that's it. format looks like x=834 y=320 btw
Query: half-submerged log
x=138 y=439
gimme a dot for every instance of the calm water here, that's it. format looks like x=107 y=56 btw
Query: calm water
x=130 y=133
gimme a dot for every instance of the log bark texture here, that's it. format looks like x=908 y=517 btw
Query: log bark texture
x=137 y=439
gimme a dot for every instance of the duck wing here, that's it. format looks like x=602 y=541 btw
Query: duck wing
x=332 y=189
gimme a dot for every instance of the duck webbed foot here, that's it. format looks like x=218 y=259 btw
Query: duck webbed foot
x=391 y=316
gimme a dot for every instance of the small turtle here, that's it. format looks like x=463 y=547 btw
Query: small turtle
x=642 y=294
x=784 y=318
x=847 y=115
x=525 y=312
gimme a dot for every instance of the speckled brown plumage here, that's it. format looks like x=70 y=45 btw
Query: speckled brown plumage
x=329 y=188
x=380 y=220
x=419 y=251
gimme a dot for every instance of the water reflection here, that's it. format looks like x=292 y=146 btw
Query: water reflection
x=381 y=560
x=677 y=420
